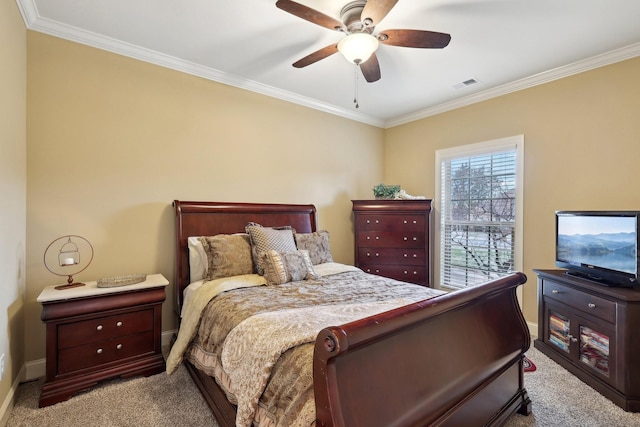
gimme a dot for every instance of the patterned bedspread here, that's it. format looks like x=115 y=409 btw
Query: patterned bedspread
x=274 y=386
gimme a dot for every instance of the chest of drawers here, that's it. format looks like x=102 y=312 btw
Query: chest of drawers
x=392 y=238
x=98 y=333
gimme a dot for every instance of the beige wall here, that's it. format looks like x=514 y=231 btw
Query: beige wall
x=112 y=141
x=13 y=188
x=581 y=151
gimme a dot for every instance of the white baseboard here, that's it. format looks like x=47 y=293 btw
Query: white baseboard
x=7 y=405
x=533 y=330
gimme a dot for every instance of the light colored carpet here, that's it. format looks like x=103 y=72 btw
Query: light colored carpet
x=157 y=401
x=559 y=399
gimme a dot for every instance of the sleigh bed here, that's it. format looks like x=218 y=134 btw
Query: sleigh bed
x=444 y=360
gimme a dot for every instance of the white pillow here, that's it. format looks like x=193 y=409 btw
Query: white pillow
x=198 y=262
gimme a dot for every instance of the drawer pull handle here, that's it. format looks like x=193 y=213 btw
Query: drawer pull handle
x=415 y=273
x=119 y=346
x=415 y=238
x=377 y=271
x=415 y=255
x=406 y=272
x=368 y=238
x=99 y=327
x=368 y=253
x=99 y=351
x=377 y=221
x=377 y=237
x=377 y=254
x=405 y=255
x=405 y=238
x=591 y=305
x=119 y=324
x=555 y=291
x=405 y=221
x=368 y=222
x=415 y=222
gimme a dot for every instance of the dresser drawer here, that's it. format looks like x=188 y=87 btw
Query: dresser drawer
x=587 y=303
x=103 y=328
x=411 y=274
x=101 y=352
x=387 y=239
x=395 y=222
x=406 y=256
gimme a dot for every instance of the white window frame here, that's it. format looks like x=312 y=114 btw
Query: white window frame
x=486 y=147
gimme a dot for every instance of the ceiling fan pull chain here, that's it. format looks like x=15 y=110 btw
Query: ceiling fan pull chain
x=355 y=86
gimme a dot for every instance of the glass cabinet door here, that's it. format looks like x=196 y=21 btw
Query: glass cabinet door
x=594 y=349
x=559 y=327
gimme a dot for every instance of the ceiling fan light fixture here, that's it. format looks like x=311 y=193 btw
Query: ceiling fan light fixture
x=358 y=47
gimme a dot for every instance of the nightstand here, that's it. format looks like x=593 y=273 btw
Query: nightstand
x=98 y=333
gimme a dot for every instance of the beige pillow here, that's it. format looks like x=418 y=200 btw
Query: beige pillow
x=263 y=239
x=317 y=243
x=287 y=267
x=227 y=255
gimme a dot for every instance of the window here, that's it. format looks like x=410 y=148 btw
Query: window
x=479 y=190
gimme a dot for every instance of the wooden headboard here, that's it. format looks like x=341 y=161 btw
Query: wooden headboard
x=211 y=218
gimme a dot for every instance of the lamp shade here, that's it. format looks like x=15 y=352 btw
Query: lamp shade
x=358 y=47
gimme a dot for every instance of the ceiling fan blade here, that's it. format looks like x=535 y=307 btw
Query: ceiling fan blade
x=311 y=15
x=316 y=56
x=414 y=38
x=371 y=69
x=375 y=10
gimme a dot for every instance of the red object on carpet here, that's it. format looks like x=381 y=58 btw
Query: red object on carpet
x=529 y=366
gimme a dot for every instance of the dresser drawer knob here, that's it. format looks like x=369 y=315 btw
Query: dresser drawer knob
x=99 y=351
x=368 y=253
x=591 y=305
x=405 y=221
x=377 y=221
x=377 y=237
x=377 y=254
x=405 y=255
x=555 y=291
x=415 y=255
x=119 y=346
x=406 y=272
x=415 y=222
x=368 y=222
x=377 y=271
x=99 y=327
x=119 y=324
x=405 y=238
x=415 y=238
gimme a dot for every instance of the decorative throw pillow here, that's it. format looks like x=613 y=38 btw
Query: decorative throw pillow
x=227 y=255
x=317 y=243
x=264 y=239
x=287 y=267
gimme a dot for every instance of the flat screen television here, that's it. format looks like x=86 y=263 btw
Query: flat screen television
x=601 y=246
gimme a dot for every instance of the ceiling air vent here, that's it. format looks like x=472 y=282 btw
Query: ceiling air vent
x=466 y=83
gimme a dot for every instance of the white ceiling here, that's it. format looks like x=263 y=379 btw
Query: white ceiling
x=505 y=45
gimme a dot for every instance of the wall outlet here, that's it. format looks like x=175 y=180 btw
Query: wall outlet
x=1 y=366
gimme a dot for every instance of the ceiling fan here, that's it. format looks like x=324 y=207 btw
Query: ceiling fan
x=358 y=20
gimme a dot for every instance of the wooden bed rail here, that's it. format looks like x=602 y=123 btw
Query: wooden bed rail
x=450 y=360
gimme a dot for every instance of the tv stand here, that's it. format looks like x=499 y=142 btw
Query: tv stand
x=590 y=330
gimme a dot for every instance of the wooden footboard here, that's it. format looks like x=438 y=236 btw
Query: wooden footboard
x=453 y=360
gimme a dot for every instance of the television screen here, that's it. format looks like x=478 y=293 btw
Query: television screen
x=602 y=245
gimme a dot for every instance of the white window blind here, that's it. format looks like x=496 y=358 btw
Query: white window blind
x=478 y=214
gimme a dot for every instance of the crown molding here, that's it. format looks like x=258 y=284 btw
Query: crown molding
x=34 y=22
x=597 y=61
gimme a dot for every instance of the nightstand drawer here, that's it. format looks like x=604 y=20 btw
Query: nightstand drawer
x=585 y=302
x=103 y=328
x=98 y=353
